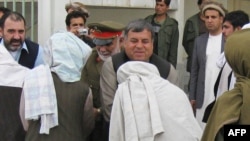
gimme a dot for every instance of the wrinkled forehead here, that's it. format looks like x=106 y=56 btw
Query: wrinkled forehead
x=144 y=34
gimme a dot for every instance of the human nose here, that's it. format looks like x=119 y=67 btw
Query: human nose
x=103 y=48
x=16 y=35
x=209 y=19
x=77 y=27
x=139 y=44
x=223 y=30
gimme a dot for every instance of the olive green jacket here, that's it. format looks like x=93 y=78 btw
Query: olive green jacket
x=168 y=38
x=91 y=75
x=191 y=31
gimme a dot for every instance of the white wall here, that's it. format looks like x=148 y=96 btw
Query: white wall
x=51 y=17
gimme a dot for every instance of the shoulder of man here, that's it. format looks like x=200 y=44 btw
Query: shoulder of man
x=27 y=41
x=162 y=65
x=118 y=59
x=201 y=39
x=194 y=17
x=32 y=45
x=149 y=17
x=171 y=21
x=204 y=35
x=192 y=21
x=92 y=56
x=174 y=20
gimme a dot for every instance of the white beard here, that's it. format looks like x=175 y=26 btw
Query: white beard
x=104 y=58
x=12 y=48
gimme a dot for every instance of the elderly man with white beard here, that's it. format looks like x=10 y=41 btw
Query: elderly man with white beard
x=108 y=40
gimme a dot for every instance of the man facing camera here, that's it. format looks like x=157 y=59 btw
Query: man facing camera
x=166 y=32
x=138 y=46
x=24 y=51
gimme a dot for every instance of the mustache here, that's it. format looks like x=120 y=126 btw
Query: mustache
x=15 y=40
x=105 y=53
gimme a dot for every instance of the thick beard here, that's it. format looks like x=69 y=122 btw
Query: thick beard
x=104 y=58
x=13 y=49
x=116 y=50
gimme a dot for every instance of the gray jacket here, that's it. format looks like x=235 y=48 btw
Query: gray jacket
x=197 y=77
x=191 y=31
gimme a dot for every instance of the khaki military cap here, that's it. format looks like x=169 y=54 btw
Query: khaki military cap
x=106 y=26
x=105 y=31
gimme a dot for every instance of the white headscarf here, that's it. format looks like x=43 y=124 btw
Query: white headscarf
x=149 y=108
x=66 y=55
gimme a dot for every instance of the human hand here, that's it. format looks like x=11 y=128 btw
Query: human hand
x=193 y=105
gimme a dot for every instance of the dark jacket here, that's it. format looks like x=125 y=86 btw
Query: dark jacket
x=197 y=77
x=91 y=75
x=71 y=98
x=191 y=31
x=168 y=38
x=11 y=128
x=28 y=59
x=162 y=65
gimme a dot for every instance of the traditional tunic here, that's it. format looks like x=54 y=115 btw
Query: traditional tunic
x=233 y=106
x=212 y=54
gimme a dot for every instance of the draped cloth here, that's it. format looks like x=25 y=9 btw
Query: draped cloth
x=234 y=104
x=213 y=50
x=38 y=96
x=11 y=81
x=149 y=108
x=66 y=54
x=9 y=67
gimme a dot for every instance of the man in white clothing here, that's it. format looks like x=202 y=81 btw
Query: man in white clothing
x=149 y=107
x=233 y=21
x=207 y=48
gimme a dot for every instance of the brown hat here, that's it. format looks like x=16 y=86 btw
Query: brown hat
x=214 y=5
